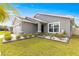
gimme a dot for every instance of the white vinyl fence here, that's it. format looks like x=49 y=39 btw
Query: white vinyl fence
x=76 y=31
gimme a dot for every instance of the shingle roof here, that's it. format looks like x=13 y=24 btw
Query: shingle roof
x=35 y=20
x=31 y=20
x=71 y=17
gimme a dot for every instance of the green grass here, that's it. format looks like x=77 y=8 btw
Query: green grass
x=2 y=32
x=0 y=41
x=5 y=33
x=41 y=47
x=0 y=45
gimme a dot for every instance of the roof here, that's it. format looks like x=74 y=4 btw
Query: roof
x=30 y=20
x=70 y=17
x=26 y=20
x=35 y=20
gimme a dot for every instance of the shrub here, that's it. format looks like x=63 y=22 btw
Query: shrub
x=30 y=35
x=7 y=33
x=36 y=35
x=40 y=34
x=54 y=34
x=27 y=35
x=24 y=35
x=61 y=35
x=64 y=34
x=18 y=37
x=8 y=38
x=47 y=34
x=33 y=35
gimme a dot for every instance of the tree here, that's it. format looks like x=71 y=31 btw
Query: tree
x=3 y=15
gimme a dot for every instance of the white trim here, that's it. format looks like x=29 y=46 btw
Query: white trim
x=54 y=23
x=39 y=27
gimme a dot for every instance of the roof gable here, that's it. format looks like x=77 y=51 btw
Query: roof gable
x=69 y=17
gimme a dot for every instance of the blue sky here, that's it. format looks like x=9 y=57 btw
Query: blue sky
x=30 y=9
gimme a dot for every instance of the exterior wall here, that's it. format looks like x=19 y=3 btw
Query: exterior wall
x=17 y=27
x=71 y=28
x=29 y=28
x=64 y=22
x=45 y=28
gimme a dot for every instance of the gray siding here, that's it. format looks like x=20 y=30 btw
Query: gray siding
x=64 y=22
x=17 y=26
x=29 y=28
x=45 y=28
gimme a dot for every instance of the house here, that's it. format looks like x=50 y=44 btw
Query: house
x=43 y=23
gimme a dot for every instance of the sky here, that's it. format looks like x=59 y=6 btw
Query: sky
x=30 y=9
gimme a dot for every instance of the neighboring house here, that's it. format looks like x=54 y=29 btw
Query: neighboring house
x=4 y=28
x=43 y=23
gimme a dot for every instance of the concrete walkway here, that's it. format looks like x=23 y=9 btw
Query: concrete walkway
x=1 y=36
x=13 y=38
x=56 y=38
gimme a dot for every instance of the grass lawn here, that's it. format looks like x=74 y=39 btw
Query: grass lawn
x=4 y=32
x=41 y=47
x=0 y=45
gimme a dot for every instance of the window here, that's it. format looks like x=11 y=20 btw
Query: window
x=54 y=27
x=50 y=28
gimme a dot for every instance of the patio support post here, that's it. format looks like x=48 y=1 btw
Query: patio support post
x=39 y=27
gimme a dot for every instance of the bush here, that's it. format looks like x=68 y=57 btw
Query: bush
x=33 y=35
x=36 y=35
x=55 y=34
x=30 y=35
x=60 y=35
x=8 y=38
x=7 y=33
x=18 y=37
x=47 y=34
x=40 y=34
x=25 y=36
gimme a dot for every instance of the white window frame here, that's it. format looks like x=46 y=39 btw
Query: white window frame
x=54 y=23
